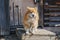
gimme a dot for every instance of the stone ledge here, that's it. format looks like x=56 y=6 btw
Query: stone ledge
x=44 y=32
x=40 y=34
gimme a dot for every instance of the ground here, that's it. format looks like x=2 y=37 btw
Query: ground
x=42 y=32
x=10 y=37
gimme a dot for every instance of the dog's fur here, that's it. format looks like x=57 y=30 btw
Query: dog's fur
x=30 y=20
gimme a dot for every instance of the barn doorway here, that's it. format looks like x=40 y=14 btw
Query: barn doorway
x=4 y=17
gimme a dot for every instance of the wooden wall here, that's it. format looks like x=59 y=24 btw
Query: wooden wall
x=22 y=9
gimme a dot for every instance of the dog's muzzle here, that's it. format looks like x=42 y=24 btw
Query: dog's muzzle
x=31 y=15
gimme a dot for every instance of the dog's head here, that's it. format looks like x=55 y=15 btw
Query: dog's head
x=32 y=12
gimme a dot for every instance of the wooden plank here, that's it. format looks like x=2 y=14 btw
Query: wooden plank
x=57 y=2
x=51 y=6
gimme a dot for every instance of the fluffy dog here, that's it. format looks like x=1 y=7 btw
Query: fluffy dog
x=30 y=20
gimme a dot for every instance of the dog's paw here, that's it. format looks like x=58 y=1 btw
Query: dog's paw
x=27 y=33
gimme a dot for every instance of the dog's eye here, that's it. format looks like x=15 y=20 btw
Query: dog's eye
x=30 y=12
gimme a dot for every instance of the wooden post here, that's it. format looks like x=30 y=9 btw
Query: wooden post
x=40 y=10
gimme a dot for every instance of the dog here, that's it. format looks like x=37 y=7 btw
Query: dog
x=30 y=20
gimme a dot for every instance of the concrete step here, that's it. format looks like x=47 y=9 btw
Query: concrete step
x=40 y=34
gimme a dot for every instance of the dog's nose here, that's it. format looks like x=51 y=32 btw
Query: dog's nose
x=32 y=15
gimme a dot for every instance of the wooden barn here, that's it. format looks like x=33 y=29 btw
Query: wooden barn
x=12 y=13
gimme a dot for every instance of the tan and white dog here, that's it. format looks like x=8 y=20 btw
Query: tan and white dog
x=30 y=20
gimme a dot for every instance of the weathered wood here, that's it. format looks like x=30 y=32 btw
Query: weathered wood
x=4 y=29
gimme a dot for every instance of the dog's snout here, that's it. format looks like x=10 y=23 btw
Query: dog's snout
x=32 y=15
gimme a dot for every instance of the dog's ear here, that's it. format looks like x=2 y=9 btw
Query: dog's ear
x=28 y=8
x=36 y=8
